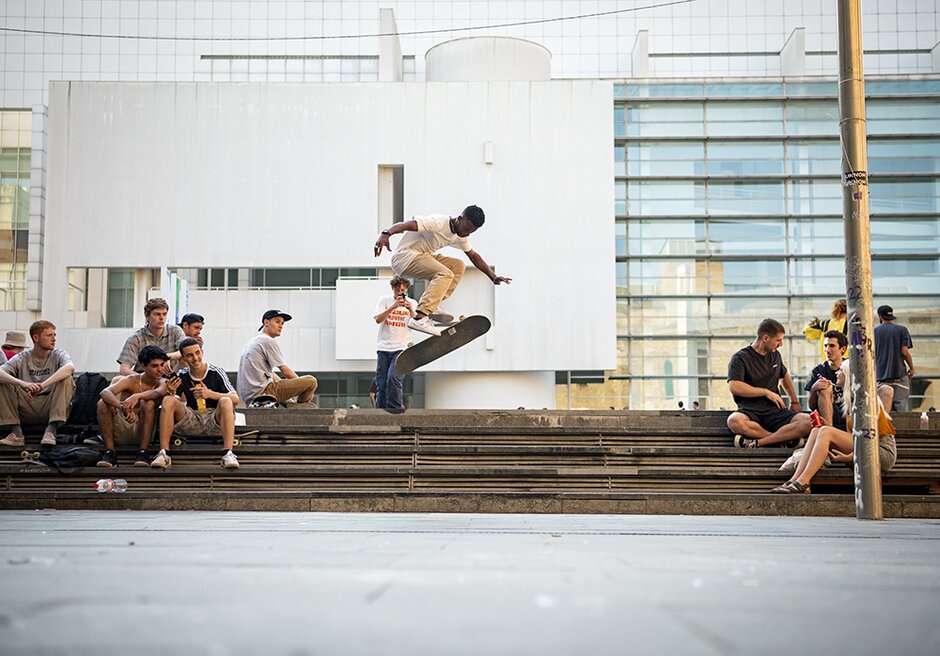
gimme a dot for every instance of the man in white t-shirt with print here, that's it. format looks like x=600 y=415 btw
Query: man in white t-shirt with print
x=392 y=313
x=416 y=257
x=261 y=357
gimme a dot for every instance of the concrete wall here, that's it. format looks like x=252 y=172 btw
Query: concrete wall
x=251 y=175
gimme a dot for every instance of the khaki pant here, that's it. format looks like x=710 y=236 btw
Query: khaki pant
x=443 y=274
x=16 y=408
x=303 y=387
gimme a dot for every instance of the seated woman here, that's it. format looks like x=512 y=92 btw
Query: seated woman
x=826 y=441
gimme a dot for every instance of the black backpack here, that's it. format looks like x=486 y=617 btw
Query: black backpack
x=83 y=415
x=70 y=457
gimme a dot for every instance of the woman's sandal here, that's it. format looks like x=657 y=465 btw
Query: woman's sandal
x=791 y=487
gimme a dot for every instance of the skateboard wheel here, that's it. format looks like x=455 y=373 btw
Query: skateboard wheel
x=177 y=442
x=236 y=442
x=24 y=455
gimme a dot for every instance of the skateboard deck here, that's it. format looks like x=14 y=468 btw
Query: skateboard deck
x=433 y=348
x=180 y=440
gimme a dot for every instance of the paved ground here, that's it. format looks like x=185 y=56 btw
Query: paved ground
x=302 y=584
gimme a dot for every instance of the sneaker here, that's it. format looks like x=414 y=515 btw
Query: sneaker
x=424 y=325
x=48 y=439
x=745 y=442
x=162 y=461
x=229 y=461
x=441 y=317
x=94 y=440
x=795 y=444
x=108 y=459
x=142 y=459
x=13 y=440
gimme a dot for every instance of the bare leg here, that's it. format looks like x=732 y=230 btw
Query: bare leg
x=106 y=424
x=146 y=417
x=225 y=418
x=813 y=461
x=741 y=424
x=799 y=426
x=171 y=414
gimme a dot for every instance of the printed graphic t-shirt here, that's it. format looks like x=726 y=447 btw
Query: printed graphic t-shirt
x=394 y=335
x=26 y=369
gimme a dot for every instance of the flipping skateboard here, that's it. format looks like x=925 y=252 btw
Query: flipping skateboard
x=451 y=339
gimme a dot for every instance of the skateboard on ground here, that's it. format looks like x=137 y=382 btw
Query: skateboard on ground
x=180 y=440
x=433 y=348
x=31 y=457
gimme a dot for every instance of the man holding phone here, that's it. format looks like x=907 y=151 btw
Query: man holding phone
x=392 y=314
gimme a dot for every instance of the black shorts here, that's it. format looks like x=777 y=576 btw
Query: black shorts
x=773 y=420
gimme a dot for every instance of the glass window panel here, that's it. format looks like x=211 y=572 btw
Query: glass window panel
x=668 y=277
x=619 y=121
x=817 y=237
x=620 y=160
x=747 y=237
x=815 y=197
x=921 y=315
x=748 y=277
x=667 y=357
x=664 y=90
x=814 y=158
x=623 y=316
x=907 y=276
x=740 y=197
x=287 y=278
x=741 y=316
x=905 y=235
x=818 y=276
x=620 y=237
x=621 y=273
x=813 y=117
x=620 y=197
x=667 y=237
x=904 y=156
x=905 y=196
x=666 y=197
x=744 y=118
x=668 y=316
x=665 y=119
x=812 y=89
x=902 y=87
x=665 y=158
x=328 y=278
x=120 y=310
x=756 y=89
x=903 y=116
x=745 y=158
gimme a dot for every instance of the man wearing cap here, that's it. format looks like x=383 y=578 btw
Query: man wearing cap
x=15 y=343
x=192 y=324
x=261 y=357
x=892 y=352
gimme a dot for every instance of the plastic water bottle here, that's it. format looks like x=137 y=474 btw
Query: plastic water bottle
x=924 y=421
x=108 y=485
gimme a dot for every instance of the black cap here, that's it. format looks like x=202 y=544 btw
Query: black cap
x=886 y=312
x=192 y=317
x=270 y=314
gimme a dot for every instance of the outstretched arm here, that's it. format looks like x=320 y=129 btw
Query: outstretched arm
x=396 y=228
x=481 y=264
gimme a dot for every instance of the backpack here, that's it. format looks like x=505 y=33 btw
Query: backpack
x=70 y=457
x=83 y=415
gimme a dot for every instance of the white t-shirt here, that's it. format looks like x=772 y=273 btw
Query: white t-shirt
x=433 y=234
x=261 y=356
x=394 y=335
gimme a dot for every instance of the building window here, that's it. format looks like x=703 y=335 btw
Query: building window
x=120 y=298
x=15 y=165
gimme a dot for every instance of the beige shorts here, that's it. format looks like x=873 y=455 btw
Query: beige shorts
x=124 y=431
x=197 y=424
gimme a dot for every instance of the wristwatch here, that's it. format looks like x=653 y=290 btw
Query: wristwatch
x=387 y=232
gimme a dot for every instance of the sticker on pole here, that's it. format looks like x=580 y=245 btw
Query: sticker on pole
x=855 y=179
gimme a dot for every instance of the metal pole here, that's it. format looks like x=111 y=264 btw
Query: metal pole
x=858 y=262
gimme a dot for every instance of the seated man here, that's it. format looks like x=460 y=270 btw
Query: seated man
x=825 y=393
x=192 y=324
x=128 y=406
x=36 y=386
x=754 y=376
x=157 y=332
x=262 y=355
x=208 y=409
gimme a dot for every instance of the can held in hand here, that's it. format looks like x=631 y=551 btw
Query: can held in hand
x=816 y=418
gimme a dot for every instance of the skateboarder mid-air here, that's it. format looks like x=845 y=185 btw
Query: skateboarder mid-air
x=416 y=257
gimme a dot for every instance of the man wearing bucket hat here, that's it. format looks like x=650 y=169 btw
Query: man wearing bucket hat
x=257 y=377
x=15 y=343
x=893 y=346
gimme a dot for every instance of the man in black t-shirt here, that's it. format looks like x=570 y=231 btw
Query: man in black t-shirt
x=207 y=407
x=825 y=393
x=754 y=376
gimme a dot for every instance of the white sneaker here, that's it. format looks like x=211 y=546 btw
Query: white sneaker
x=229 y=461
x=424 y=325
x=441 y=317
x=48 y=439
x=13 y=440
x=162 y=461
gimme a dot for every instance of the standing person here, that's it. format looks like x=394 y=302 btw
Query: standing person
x=15 y=343
x=893 y=346
x=192 y=324
x=261 y=356
x=816 y=329
x=36 y=386
x=416 y=257
x=128 y=406
x=392 y=313
x=754 y=376
x=825 y=391
x=155 y=332
x=207 y=407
